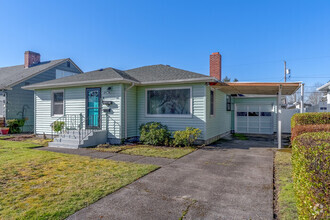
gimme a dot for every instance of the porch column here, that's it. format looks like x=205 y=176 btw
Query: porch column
x=302 y=99
x=279 y=122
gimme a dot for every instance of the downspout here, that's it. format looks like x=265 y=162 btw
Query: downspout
x=126 y=90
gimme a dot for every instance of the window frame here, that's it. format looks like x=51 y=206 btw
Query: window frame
x=52 y=103
x=212 y=91
x=228 y=104
x=167 y=115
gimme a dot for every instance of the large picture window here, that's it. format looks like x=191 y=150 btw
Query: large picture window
x=57 y=103
x=174 y=102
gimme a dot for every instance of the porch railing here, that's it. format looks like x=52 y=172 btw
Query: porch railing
x=76 y=122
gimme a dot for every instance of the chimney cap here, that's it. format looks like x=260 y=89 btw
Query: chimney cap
x=215 y=53
x=29 y=51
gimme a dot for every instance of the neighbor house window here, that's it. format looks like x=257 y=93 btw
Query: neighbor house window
x=211 y=102
x=57 y=103
x=62 y=73
x=228 y=99
x=169 y=102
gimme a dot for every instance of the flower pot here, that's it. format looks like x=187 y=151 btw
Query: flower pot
x=4 y=131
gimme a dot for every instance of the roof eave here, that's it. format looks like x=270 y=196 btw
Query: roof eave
x=76 y=84
x=324 y=88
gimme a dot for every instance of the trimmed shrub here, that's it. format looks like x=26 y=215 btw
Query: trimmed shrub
x=15 y=125
x=154 y=133
x=310 y=118
x=58 y=126
x=300 y=129
x=187 y=137
x=311 y=174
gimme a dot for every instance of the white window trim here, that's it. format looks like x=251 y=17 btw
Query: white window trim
x=52 y=103
x=167 y=115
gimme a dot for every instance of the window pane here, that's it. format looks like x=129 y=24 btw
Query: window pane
x=253 y=113
x=58 y=109
x=174 y=101
x=241 y=113
x=58 y=97
x=212 y=103
x=266 y=113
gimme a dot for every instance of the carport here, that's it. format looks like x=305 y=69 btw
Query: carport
x=262 y=88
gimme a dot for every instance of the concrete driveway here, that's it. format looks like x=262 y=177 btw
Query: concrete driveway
x=231 y=180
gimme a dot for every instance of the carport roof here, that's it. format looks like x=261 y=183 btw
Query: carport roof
x=257 y=88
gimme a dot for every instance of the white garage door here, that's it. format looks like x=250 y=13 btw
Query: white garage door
x=254 y=119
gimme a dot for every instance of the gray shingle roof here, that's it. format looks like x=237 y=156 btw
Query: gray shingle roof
x=10 y=76
x=161 y=73
x=143 y=75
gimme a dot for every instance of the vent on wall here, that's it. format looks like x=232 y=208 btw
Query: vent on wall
x=68 y=64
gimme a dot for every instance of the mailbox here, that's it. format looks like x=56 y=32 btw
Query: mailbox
x=106 y=102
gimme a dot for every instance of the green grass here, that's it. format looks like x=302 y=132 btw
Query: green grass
x=4 y=137
x=46 y=185
x=241 y=137
x=286 y=203
x=150 y=151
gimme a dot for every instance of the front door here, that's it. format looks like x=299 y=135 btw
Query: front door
x=93 y=110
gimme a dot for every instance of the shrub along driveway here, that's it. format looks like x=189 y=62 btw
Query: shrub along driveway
x=232 y=180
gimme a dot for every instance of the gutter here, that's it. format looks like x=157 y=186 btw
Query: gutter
x=126 y=90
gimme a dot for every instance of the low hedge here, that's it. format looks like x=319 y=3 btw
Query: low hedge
x=310 y=118
x=300 y=129
x=311 y=174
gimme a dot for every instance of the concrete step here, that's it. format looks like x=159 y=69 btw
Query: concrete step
x=63 y=145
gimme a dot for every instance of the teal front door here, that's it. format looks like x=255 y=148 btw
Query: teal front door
x=93 y=110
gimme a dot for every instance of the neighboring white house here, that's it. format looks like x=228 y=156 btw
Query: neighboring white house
x=325 y=106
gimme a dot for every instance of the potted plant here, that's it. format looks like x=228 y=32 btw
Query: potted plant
x=4 y=130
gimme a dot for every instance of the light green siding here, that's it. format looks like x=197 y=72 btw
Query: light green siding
x=219 y=123
x=19 y=99
x=131 y=112
x=175 y=123
x=75 y=103
x=256 y=100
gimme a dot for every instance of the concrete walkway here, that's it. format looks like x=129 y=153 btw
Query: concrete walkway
x=231 y=180
x=112 y=156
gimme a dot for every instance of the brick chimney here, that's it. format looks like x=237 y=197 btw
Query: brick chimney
x=215 y=65
x=31 y=58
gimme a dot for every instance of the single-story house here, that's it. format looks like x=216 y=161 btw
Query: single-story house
x=117 y=102
x=17 y=103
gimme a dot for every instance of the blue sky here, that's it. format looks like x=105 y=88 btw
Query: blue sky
x=254 y=37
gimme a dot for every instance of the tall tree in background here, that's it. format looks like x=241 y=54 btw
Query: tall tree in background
x=226 y=79
x=314 y=96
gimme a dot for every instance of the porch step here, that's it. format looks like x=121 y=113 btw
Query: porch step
x=70 y=139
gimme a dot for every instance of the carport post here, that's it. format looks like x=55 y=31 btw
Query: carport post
x=279 y=122
x=302 y=99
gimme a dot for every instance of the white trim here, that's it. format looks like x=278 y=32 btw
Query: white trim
x=52 y=103
x=167 y=115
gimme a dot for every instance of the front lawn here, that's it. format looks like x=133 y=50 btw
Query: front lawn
x=285 y=196
x=46 y=185
x=150 y=151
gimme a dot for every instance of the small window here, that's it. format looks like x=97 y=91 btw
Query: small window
x=228 y=98
x=253 y=113
x=266 y=113
x=57 y=105
x=241 y=113
x=211 y=102
x=68 y=64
